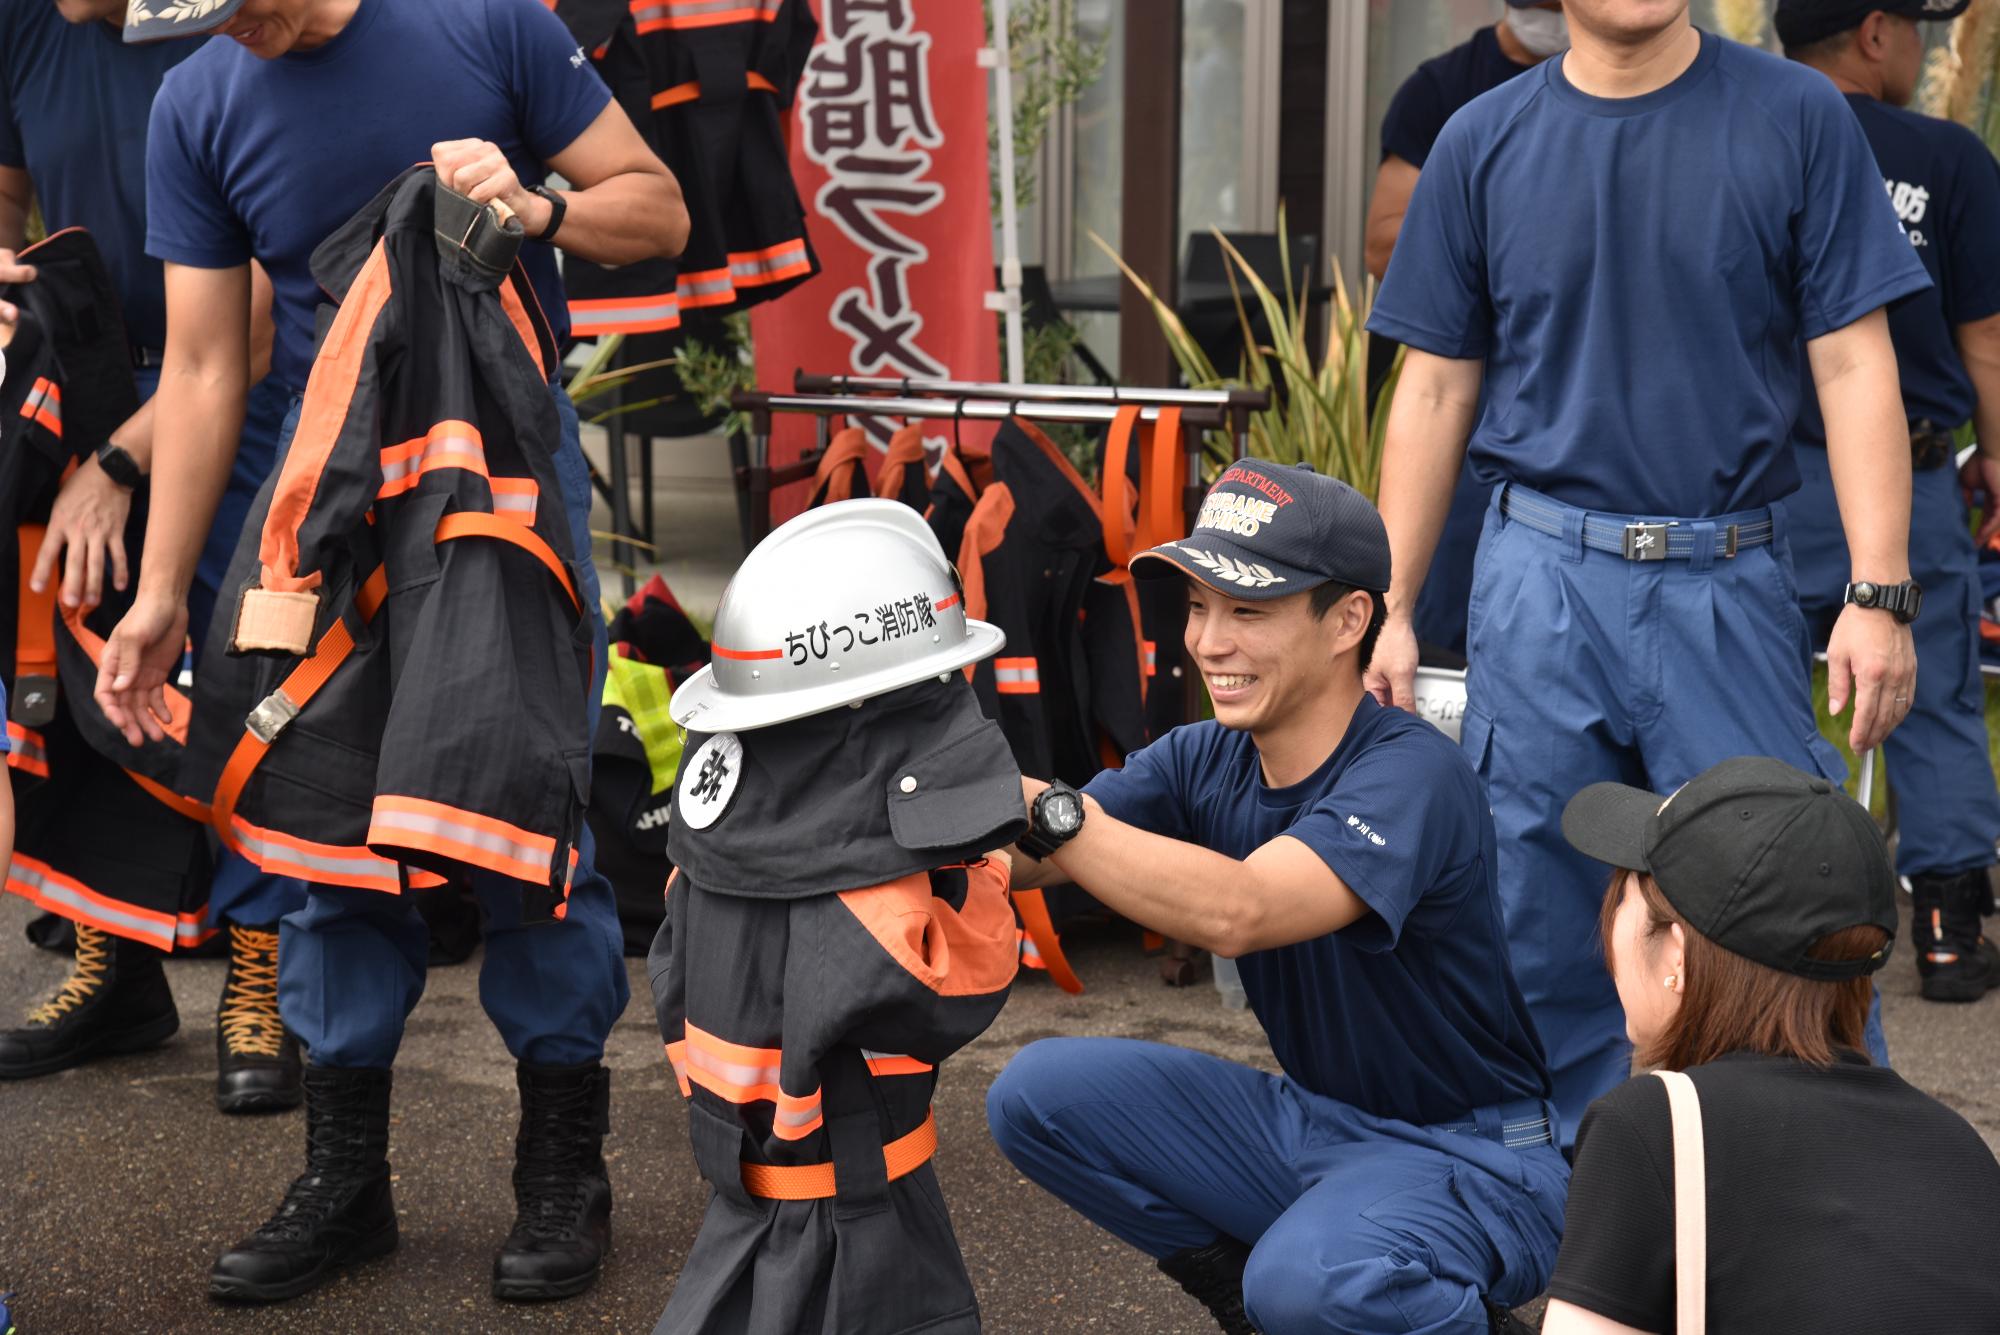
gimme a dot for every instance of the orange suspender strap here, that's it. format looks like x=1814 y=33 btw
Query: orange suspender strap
x=281 y=706
x=478 y=524
x=1034 y=911
x=682 y=93
x=35 y=630
x=1116 y=489
x=814 y=1182
x=1160 y=471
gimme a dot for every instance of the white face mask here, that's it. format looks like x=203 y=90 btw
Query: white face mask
x=1542 y=31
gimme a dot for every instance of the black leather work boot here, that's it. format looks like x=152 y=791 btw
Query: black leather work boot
x=257 y=1066
x=336 y=1213
x=115 y=1000
x=562 y=1191
x=1954 y=961
x=1213 y=1276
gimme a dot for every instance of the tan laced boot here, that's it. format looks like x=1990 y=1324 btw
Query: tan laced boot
x=257 y=1065
x=115 y=1000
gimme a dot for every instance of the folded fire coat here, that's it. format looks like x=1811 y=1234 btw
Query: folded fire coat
x=708 y=85
x=833 y=933
x=439 y=720
x=68 y=386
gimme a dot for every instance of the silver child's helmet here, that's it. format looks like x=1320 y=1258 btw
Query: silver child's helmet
x=842 y=604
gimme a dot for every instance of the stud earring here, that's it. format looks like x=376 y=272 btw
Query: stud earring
x=1671 y=979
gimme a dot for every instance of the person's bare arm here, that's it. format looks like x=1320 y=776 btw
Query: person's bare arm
x=623 y=204
x=1870 y=657
x=17 y=195
x=1395 y=182
x=198 y=417
x=1566 y=1319
x=1979 y=349
x=1429 y=422
x=1281 y=894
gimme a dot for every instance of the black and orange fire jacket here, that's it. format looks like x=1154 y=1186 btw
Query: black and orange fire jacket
x=68 y=387
x=835 y=931
x=439 y=720
x=708 y=84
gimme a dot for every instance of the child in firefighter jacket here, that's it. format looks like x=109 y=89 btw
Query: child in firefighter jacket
x=837 y=927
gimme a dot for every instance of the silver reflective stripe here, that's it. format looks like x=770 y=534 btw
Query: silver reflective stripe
x=516 y=502
x=53 y=892
x=706 y=285
x=434 y=446
x=258 y=849
x=42 y=399
x=583 y=319
x=763 y=266
x=484 y=840
x=796 y=1116
x=735 y=1073
x=1016 y=675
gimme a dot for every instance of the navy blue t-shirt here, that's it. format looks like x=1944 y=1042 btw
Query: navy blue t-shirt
x=265 y=158
x=1638 y=274
x=73 y=106
x=1439 y=87
x=1412 y=1011
x=1944 y=185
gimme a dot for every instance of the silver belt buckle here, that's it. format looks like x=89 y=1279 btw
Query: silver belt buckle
x=268 y=719
x=1646 y=542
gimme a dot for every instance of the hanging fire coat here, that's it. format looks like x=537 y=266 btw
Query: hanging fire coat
x=904 y=475
x=439 y=721
x=842 y=473
x=833 y=933
x=68 y=386
x=708 y=86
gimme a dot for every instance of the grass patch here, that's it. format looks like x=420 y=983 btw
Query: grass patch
x=1835 y=731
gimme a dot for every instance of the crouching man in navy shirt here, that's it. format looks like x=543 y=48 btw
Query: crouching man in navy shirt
x=1400 y=1175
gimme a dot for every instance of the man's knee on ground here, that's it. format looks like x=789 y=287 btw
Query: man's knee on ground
x=1308 y=1278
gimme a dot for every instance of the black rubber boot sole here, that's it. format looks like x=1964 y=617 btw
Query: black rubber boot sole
x=228 y=1289
x=139 y=1038
x=543 y=1290
x=1954 y=987
x=260 y=1100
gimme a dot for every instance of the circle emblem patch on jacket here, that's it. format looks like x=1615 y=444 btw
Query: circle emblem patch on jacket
x=709 y=779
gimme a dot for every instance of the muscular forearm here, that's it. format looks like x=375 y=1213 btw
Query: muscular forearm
x=1424 y=449
x=1867 y=445
x=633 y=216
x=197 y=417
x=1182 y=891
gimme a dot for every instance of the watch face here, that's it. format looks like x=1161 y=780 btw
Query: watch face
x=1063 y=814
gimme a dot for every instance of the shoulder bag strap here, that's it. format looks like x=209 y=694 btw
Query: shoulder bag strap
x=1690 y=1205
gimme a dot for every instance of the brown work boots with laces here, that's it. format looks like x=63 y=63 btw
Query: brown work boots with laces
x=115 y=1000
x=257 y=1066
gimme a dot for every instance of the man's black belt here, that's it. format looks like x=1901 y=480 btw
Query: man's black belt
x=1633 y=537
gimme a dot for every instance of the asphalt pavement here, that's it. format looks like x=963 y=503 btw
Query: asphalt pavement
x=119 y=1182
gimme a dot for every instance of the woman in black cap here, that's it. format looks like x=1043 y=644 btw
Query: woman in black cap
x=1748 y=911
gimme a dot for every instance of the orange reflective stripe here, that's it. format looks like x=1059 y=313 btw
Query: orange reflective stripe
x=683 y=93
x=815 y=1182
x=625 y=315
x=62 y=894
x=882 y=1064
x=325 y=864
x=464 y=836
x=651 y=16
x=677 y=1057
x=517 y=498
x=1151 y=654
x=26 y=751
x=471 y=524
x=336 y=373
x=1017 y=676
x=44 y=405
x=963 y=952
x=35 y=613
x=742 y=1074
x=449 y=444
x=772 y=264
x=1034 y=911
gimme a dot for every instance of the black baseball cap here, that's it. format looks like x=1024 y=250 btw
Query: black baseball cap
x=1266 y=530
x=156 y=20
x=1803 y=22
x=1762 y=859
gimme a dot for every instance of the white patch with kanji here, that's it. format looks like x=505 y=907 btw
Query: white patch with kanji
x=709 y=779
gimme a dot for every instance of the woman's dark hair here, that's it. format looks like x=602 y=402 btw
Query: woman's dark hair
x=1732 y=1004
x=1327 y=596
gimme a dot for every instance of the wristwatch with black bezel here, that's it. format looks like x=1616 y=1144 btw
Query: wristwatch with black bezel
x=119 y=466
x=1901 y=601
x=1053 y=820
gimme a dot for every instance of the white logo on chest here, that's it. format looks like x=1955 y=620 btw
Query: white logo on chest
x=709 y=780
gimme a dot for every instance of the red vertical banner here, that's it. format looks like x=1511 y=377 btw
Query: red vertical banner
x=889 y=152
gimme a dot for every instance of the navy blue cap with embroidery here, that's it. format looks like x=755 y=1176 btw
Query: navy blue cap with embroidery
x=1803 y=22
x=1266 y=531
x=156 y=20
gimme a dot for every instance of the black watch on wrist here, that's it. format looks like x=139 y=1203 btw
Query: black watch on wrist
x=557 y=207
x=1901 y=601
x=1053 y=820
x=119 y=466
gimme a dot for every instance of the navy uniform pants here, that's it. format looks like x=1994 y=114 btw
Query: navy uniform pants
x=1356 y=1223
x=1588 y=667
x=1947 y=807
x=351 y=963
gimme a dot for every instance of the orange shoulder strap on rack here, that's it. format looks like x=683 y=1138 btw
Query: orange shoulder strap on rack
x=1041 y=929
x=815 y=1182
x=1116 y=488
x=835 y=472
x=35 y=628
x=1160 y=472
x=906 y=448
